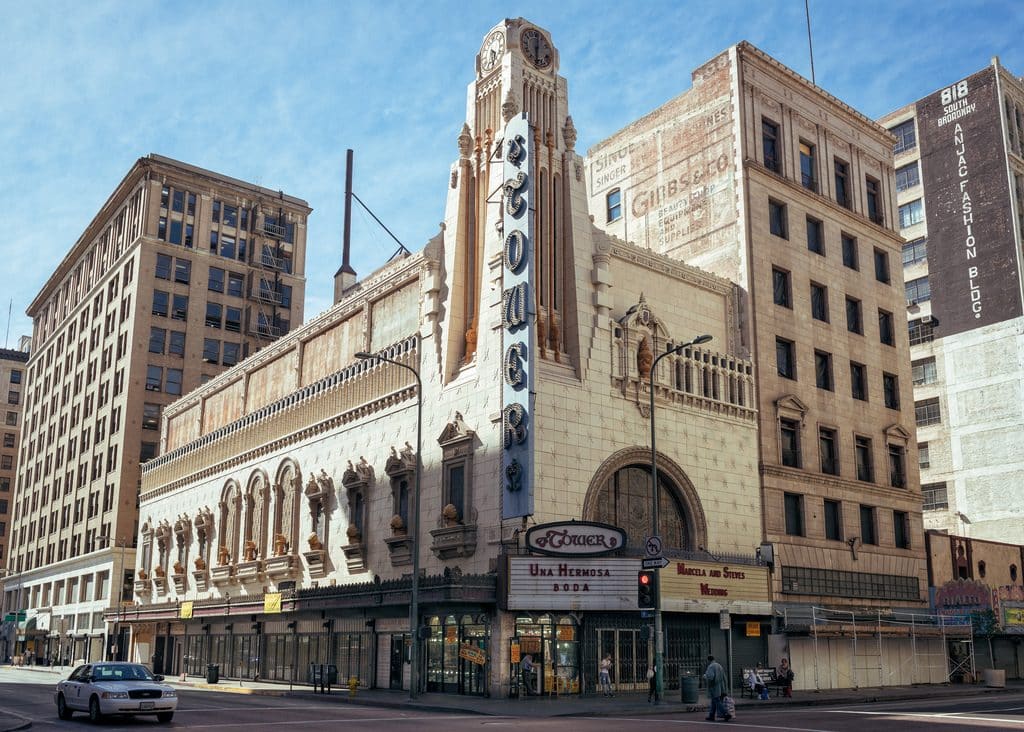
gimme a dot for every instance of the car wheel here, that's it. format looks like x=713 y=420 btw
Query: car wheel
x=164 y=717
x=95 y=715
x=63 y=711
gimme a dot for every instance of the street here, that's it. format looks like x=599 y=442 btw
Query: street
x=33 y=702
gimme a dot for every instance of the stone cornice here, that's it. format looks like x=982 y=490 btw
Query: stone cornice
x=668 y=265
x=833 y=481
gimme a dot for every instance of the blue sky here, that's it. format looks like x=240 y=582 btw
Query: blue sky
x=274 y=92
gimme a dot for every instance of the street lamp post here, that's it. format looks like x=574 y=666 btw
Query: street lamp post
x=414 y=604
x=659 y=672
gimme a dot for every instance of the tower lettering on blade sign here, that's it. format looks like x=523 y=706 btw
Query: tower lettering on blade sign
x=517 y=321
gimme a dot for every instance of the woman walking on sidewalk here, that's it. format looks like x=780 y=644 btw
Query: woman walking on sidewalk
x=604 y=675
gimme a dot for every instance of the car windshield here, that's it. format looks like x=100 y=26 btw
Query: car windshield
x=121 y=672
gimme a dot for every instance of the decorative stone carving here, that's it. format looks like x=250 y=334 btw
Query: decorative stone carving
x=202 y=579
x=465 y=143
x=644 y=358
x=510 y=107
x=569 y=133
x=223 y=556
x=280 y=545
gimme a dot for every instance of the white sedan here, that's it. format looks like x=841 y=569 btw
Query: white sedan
x=103 y=689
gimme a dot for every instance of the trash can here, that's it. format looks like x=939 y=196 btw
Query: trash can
x=212 y=673
x=688 y=689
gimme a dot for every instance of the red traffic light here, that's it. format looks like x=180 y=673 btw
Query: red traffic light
x=646 y=589
x=644 y=578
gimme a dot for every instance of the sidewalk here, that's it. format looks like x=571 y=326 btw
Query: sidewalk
x=627 y=704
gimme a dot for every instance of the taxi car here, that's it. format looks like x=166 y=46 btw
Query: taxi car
x=115 y=688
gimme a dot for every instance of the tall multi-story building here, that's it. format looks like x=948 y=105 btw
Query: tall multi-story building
x=182 y=273
x=762 y=177
x=959 y=157
x=12 y=382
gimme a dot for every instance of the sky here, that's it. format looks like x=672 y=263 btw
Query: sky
x=275 y=92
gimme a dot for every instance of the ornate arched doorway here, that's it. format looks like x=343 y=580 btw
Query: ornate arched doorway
x=620 y=494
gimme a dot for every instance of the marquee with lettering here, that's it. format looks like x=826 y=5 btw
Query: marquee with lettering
x=517 y=321
x=565 y=583
x=713 y=586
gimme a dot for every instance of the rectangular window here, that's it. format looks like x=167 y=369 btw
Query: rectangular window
x=815 y=236
x=842 y=183
x=162 y=270
x=147 y=451
x=924 y=371
x=867 y=525
x=862 y=455
x=854 y=322
x=785 y=358
x=789 y=434
x=216 y=212
x=150 y=416
x=891 y=390
x=934 y=495
x=180 y=309
x=178 y=201
x=881 y=266
x=157 y=337
x=819 y=302
x=923 y=456
x=850 y=251
x=160 y=303
x=174 y=381
x=236 y=284
x=16 y=376
x=176 y=343
x=886 y=328
x=8 y=442
x=874 y=199
x=823 y=370
x=828 y=450
x=227 y=246
x=858 y=381
x=613 y=205
x=229 y=215
x=901 y=529
x=770 y=145
x=154 y=378
x=165 y=194
x=161 y=229
x=191 y=204
x=216 y=281
x=915 y=251
x=897 y=466
x=906 y=136
x=175 y=237
x=231 y=351
x=213 y=242
x=808 y=167
x=213 y=314
x=908 y=176
x=927 y=411
x=233 y=319
x=182 y=271
x=777 y=219
x=794 y=514
x=780 y=288
x=911 y=213
x=833 y=521
x=211 y=350
x=920 y=331
x=918 y=290
x=189 y=235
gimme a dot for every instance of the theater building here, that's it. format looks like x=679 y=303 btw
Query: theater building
x=277 y=526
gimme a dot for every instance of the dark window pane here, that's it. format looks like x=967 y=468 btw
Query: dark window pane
x=794 y=514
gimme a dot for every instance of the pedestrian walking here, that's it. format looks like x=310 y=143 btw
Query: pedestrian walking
x=604 y=674
x=715 y=676
x=652 y=684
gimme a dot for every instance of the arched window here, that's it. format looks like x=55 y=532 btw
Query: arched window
x=286 y=497
x=229 y=524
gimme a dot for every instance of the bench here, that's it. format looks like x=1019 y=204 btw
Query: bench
x=766 y=676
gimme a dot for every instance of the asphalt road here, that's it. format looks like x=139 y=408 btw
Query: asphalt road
x=229 y=712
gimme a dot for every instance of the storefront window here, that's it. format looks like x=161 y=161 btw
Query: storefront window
x=451 y=664
x=553 y=643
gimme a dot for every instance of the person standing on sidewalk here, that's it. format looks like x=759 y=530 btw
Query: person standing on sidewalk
x=604 y=675
x=715 y=676
x=652 y=684
x=785 y=675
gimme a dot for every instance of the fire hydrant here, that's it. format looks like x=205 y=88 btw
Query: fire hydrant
x=353 y=684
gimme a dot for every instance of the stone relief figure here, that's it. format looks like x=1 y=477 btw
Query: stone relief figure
x=200 y=564
x=397 y=525
x=160 y=572
x=223 y=556
x=644 y=358
x=142 y=575
x=354 y=535
x=314 y=542
x=280 y=545
x=250 y=550
x=178 y=568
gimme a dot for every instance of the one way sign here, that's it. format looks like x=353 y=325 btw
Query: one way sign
x=657 y=563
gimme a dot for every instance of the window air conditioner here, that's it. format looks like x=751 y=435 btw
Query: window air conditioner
x=926 y=319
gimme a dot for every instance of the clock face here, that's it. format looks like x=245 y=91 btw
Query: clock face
x=493 y=48
x=536 y=48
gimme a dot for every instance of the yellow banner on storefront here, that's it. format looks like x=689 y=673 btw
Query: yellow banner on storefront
x=185 y=610
x=272 y=602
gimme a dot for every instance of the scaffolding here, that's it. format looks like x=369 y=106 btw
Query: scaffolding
x=941 y=647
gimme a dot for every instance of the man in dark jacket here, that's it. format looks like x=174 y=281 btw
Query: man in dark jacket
x=715 y=677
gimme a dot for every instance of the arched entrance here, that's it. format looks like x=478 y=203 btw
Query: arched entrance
x=620 y=495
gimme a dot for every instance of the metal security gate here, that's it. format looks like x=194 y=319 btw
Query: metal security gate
x=630 y=656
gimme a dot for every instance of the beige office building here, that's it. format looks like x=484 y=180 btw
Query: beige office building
x=764 y=178
x=182 y=273
x=959 y=156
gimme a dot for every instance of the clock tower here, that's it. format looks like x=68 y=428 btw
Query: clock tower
x=516 y=74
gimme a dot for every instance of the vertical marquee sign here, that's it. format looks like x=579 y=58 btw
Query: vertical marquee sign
x=517 y=322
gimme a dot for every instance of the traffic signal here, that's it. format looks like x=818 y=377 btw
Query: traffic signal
x=647 y=589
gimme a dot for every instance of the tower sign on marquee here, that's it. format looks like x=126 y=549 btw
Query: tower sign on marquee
x=517 y=321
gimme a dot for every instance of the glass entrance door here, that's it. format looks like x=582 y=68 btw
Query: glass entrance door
x=629 y=651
